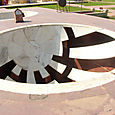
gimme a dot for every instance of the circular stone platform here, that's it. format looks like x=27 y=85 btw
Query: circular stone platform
x=56 y=58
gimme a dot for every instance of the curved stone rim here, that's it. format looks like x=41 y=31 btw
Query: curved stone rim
x=27 y=88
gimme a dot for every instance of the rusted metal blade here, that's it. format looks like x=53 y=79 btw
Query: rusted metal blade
x=94 y=38
x=61 y=78
x=87 y=64
x=6 y=69
x=69 y=32
x=23 y=76
x=14 y=76
x=40 y=80
x=98 y=65
x=65 y=49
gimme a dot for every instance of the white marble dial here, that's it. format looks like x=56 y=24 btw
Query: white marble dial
x=33 y=48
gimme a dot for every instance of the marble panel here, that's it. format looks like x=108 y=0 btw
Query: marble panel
x=101 y=51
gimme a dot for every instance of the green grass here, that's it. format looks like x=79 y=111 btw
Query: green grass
x=113 y=17
x=48 y=6
x=108 y=0
x=96 y=4
x=72 y=9
x=112 y=8
x=110 y=17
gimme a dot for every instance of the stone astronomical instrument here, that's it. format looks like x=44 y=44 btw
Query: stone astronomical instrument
x=18 y=15
x=79 y=56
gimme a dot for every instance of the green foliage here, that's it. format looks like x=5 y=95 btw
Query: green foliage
x=48 y=6
x=108 y=0
x=112 y=8
x=96 y=4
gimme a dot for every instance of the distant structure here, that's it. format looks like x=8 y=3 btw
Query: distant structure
x=61 y=5
x=21 y=1
x=5 y=2
x=64 y=5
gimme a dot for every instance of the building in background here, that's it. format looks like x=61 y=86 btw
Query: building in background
x=5 y=2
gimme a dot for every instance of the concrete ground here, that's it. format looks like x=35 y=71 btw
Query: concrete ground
x=96 y=101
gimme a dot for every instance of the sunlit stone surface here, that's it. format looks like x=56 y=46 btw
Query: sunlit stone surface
x=10 y=15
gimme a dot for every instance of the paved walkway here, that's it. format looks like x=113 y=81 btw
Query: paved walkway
x=95 y=101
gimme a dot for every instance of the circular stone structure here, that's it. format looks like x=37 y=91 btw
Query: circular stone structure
x=56 y=58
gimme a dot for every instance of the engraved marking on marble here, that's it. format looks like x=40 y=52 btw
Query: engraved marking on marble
x=3 y=55
x=37 y=97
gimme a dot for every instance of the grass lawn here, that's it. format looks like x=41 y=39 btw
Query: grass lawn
x=96 y=4
x=112 y=8
x=113 y=17
x=72 y=9
x=108 y=0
